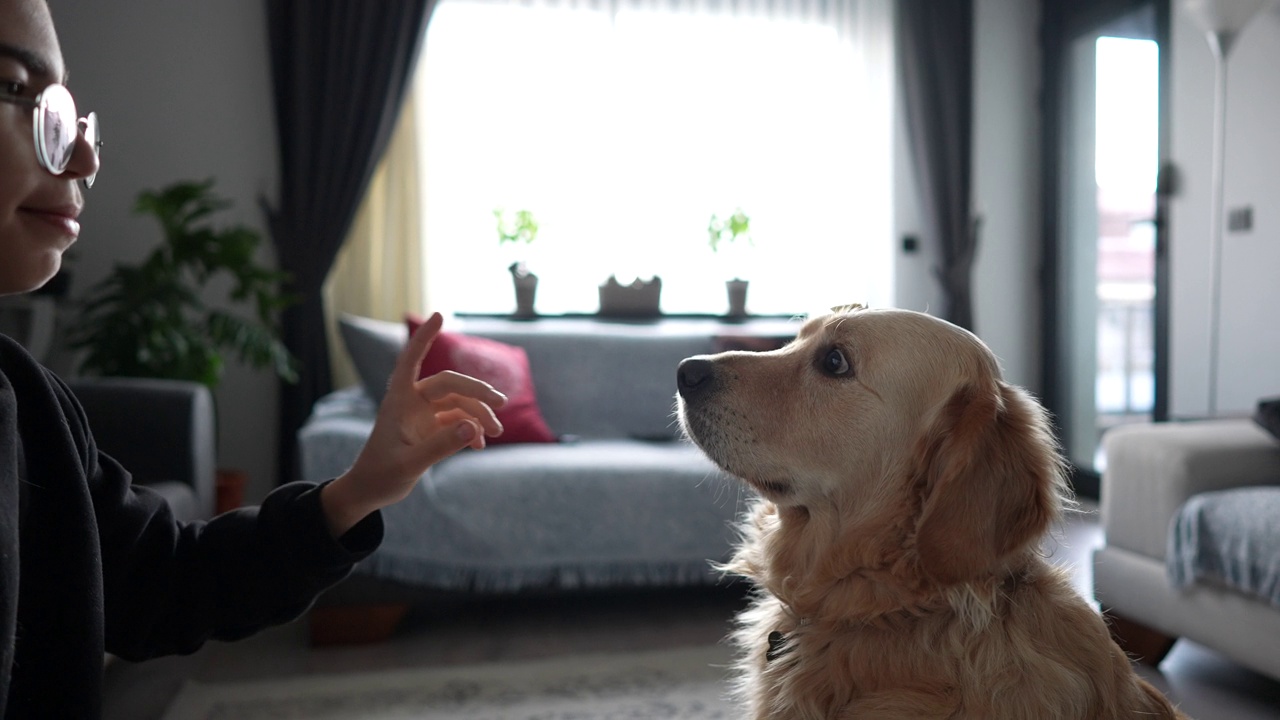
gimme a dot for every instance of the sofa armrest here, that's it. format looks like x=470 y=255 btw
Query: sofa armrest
x=335 y=433
x=159 y=430
x=1152 y=469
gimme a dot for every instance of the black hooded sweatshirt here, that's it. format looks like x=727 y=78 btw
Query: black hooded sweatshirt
x=90 y=563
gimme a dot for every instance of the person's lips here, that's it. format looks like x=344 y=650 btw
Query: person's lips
x=63 y=217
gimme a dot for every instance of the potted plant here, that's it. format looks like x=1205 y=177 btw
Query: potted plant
x=519 y=228
x=151 y=319
x=731 y=235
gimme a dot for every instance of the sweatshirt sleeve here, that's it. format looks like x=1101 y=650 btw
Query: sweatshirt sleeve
x=169 y=587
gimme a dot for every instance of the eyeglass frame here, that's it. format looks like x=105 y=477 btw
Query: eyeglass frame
x=37 y=105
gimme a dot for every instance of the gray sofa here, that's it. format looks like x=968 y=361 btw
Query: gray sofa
x=1191 y=516
x=620 y=501
x=162 y=431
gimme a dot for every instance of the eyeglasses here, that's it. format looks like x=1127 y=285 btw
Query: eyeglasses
x=55 y=128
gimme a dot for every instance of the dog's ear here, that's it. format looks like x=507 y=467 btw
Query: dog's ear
x=991 y=474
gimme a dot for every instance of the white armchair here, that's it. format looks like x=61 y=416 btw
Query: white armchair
x=1152 y=470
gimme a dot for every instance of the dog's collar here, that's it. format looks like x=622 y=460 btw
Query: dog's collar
x=778 y=642
x=777 y=646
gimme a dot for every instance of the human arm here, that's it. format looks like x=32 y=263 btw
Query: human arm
x=169 y=587
x=106 y=563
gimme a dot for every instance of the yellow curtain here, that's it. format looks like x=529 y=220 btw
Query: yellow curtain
x=378 y=272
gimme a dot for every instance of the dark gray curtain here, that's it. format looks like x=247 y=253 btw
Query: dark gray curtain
x=340 y=69
x=935 y=51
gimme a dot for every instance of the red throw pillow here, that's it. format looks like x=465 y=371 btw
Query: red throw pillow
x=506 y=367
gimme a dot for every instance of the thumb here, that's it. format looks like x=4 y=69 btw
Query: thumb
x=468 y=432
x=449 y=440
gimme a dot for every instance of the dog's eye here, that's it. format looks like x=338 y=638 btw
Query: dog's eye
x=835 y=363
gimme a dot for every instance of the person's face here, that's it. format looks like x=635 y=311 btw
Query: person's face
x=38 y=210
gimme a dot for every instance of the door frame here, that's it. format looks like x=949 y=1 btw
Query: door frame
x=1061 y=22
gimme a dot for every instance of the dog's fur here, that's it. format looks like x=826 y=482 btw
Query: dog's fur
x=904 y=489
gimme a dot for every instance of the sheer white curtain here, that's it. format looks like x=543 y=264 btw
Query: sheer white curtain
x=624 y=126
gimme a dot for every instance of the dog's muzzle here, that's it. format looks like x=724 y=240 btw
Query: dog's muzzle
x=696 y=378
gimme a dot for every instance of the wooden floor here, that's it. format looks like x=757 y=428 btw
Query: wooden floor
x=1205 y=685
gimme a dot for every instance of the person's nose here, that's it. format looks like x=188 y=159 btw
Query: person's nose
x=84 y=159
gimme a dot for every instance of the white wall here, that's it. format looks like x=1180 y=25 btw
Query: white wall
x=1006 y=184
x=915 y=286
x=183 y=90
x=1250 y=334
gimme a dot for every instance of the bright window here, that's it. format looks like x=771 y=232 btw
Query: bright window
x=623 y=131
x=1126 y=160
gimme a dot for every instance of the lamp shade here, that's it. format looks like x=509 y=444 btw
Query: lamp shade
x=1223 y=20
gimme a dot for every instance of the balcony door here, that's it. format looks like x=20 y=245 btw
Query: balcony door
x=1106 y=273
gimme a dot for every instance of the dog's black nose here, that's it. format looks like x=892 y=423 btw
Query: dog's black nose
x=695 y=376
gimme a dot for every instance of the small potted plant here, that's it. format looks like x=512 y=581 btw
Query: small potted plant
x=731 y=235
x=519 y=228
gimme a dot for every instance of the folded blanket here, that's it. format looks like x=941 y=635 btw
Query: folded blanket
x=1229 y=538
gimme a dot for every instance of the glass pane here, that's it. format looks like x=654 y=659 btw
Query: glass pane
x=1126 y=164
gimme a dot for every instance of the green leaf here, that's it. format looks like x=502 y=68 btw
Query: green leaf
x=729 y=230
x=516 y=227
x=150 y=318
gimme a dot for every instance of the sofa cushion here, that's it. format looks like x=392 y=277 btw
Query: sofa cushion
x=373 y=346
x=506 y=367
x=1229 y=538
x=591 y=513
x=598 y=379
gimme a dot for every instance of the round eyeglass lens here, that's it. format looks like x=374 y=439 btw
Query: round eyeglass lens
x=55 y=128
x=93 y=134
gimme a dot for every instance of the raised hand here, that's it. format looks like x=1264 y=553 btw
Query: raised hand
x=420 y=423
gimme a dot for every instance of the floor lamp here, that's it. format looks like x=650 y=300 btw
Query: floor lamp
x=1222 y=22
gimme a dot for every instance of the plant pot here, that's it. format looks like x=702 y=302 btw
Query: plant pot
x=229 y=488
x=640 y=299
x=737 y=290
x=526 y=287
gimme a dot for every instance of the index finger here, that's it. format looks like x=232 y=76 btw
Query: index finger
x=410 y=360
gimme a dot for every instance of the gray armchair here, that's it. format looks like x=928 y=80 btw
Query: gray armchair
x=162 y=431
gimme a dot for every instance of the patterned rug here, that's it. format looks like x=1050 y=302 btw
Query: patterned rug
x=685 y=683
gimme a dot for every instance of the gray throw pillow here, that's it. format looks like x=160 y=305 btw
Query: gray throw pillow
x=373 y=346
x=1268 y=415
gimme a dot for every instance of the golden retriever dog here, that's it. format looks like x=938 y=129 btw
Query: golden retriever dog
x=904 y=489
